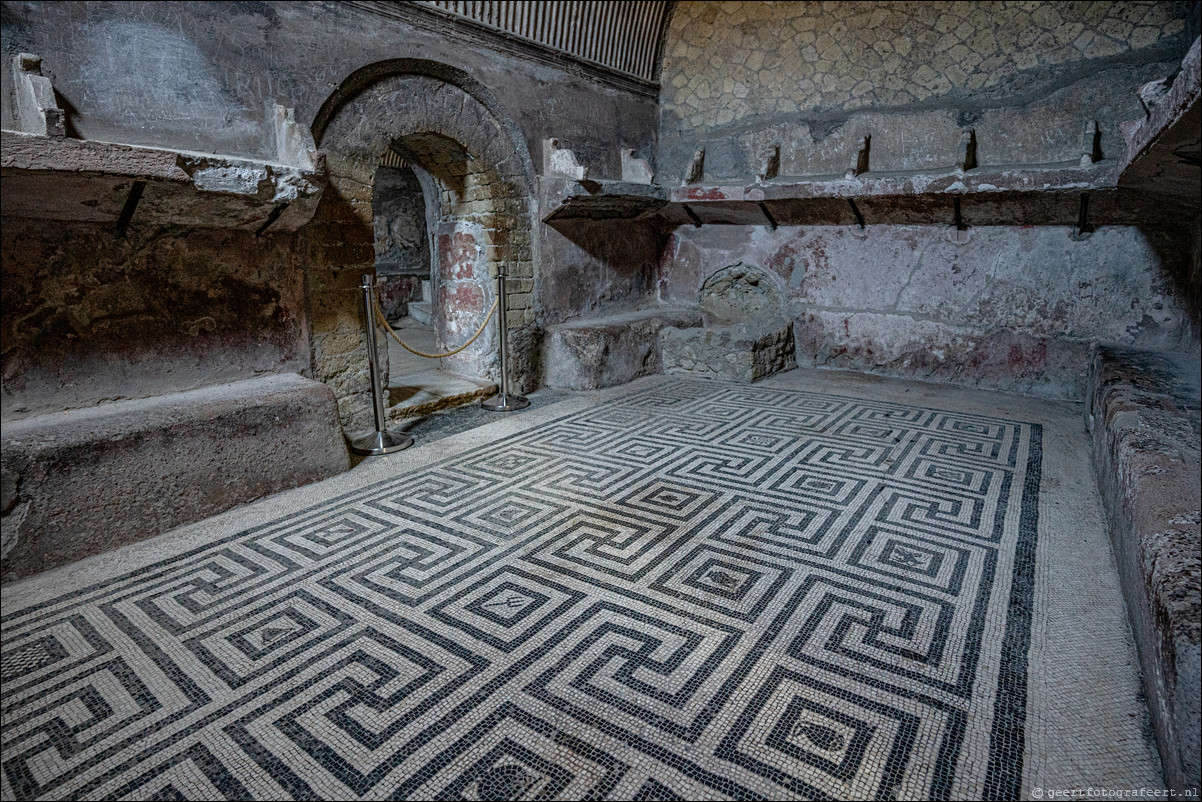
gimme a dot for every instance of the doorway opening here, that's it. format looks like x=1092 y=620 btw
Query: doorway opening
x=433 y=273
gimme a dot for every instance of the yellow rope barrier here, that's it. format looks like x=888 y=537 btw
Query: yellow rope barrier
x=400 y=342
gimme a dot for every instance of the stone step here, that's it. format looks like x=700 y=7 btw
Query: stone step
x=431 y=390
x=420 y=311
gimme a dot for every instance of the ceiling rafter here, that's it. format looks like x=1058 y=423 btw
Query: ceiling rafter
x=622 y=36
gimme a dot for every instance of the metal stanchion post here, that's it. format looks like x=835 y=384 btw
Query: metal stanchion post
x=504 y=401
x=381 y=441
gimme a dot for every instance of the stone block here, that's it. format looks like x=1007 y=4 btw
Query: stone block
x=742 y=294
x=86 y=481
x=739 y=352
x=36 y=107
x=561 y=162
x=1145 y=419
x=602 y=352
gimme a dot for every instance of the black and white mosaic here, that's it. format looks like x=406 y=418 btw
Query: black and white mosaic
x=697 y=590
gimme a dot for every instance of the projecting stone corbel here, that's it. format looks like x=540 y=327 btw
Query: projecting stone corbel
x=859 y=164
x=769 y=165
x=696 y=170
x=37 y=110
x=635 y=171
x=561 y=163
x=967 y=152
x=1091 y=144
x=294 y=145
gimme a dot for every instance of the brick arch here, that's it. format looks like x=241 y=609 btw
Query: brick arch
x=442 y=122
x=372 y=74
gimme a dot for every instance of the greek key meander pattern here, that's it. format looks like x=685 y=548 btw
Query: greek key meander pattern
x=698 y=589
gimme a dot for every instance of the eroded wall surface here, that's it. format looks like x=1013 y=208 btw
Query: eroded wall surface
x=399 y=219
x=1014 y=308
x=87 y=316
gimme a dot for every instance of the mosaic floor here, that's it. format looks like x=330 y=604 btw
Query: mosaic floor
x=693 y=590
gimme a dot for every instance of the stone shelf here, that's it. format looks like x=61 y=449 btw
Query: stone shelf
x=1163 y=150
x=1027 y=195
x=56 y=178
x=1007 y=195
x=608 y=200
x=1025 y=178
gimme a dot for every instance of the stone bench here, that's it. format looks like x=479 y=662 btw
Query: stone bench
x=84 y=481
x=592 y=353
x=1144 y=416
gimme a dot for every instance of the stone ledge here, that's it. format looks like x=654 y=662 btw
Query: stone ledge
x=94 y=182
x=1155 y=146
x=592 y=353
x=1144 y=415
x=1071 y=177
x=605 y=200
x=85 y=481
x=432 y=390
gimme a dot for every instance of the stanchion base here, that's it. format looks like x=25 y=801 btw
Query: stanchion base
x=378 y=443
x=505 y=402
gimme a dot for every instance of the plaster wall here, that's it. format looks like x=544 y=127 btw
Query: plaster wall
x=816 y=77
x=1014 y=308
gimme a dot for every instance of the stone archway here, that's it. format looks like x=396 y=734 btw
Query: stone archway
x=452 y=128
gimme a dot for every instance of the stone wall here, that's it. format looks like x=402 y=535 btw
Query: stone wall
x=88 y=316
x=202 y=76
x=207 y=77
x=1014 y=308
x=815 y=77
x=1192 y=289
x=402 y=240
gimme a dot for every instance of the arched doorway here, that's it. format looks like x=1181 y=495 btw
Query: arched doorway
x=475 y=173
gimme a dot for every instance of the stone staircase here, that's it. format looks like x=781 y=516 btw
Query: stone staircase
x=421 y=311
